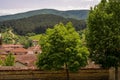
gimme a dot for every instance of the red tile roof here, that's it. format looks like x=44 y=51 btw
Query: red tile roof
x=12 y=46
x=19 y=50
x=28 y=59
x=2 y=51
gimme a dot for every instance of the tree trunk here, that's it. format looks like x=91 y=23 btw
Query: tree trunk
x=116 y=73
x=67 y=72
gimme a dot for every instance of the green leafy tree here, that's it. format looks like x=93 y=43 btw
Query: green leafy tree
x=103 y=34
x=25 y=41
x=8 y=37
x=1 y=61
x=62 y=47
x=10 y=59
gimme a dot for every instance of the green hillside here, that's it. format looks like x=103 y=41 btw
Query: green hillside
x=39 y=23
x=76 y=14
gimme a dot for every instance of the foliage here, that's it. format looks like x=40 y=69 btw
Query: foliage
x=8 y=37
x=25 y=41
x=1 y=61
x=30 y=34
x=35 y=37
x=82 y=36
x=103 y=33
x=10 y=60
x=39 y=23
x=62 y=45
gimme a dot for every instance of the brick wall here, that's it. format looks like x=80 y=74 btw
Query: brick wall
x=29 y=74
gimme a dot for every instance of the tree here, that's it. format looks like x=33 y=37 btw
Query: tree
x=62 y=47
x=103 y=34
x=8 y=37
x=1 y=61
x=25 y=41
x=9 y=61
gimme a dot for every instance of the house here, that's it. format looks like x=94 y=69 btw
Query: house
x=12 y=46
x=19 y=64
x=27 y=60
x=19 y=51
x=35 y=42
x=16 y=49
x=34 y=50
x=2 y=51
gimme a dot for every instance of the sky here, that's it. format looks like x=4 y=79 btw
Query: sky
x=18 y=6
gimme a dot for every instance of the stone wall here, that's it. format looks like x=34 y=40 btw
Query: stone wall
x=29 y=74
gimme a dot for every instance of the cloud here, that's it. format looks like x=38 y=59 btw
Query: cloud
x=18 y=6
x=14 y=11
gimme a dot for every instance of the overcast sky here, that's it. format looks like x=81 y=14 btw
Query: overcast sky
x=17 y=6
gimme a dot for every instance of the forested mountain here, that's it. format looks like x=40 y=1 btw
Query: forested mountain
x=39 y=23
x=75 y=14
